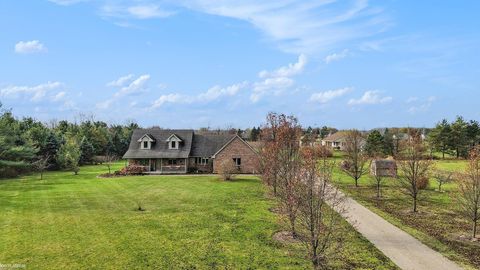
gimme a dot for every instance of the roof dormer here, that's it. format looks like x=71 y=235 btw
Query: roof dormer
x=146 y=141
x=174 y=141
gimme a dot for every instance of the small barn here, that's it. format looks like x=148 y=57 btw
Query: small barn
x=384 y=168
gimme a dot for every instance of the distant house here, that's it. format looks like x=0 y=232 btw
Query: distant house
x=384 y=167
x=165 y=151
x=406 y=137
x=335 y=140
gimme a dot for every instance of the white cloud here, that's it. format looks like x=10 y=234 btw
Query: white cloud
x=412 y=99
x=423 y=107
x=296 y=26
x=168 y=98
x=272 y=82
x=370 y=98
x=138 y=85
x=336 y=56
x=270 y=85
x=277 y=81
x=59 y=96
x=33 y=46
x=148 y=11
x=217 y=92
x=301 y=26
x=327 y=96
x=104 y=104
x=34 y=93
x=214 y=93
x=133 y=103
x=66 y=2
x=128 y=87
x=121 y=81
x=125 y=11
x=287 y=71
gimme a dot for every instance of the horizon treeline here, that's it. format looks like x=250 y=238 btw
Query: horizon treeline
x=25 y=141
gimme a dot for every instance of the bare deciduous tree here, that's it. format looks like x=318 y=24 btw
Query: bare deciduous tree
x=288 y=156
x=379 y=175
x=41 y=165
x=319 y=224
x=378 y=180
x=269 y=165
x=469 y=190
x=414 y=166
x=442 y=177
x=269 y=154
x=227 y=170
x=355 y=161
x=108 y=160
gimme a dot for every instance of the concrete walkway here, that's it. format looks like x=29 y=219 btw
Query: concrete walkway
x=403 y=249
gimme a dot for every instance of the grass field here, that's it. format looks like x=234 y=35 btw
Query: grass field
x=83 y=222
x=438 y=224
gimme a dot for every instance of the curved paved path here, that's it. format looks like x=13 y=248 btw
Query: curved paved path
x=403 y=249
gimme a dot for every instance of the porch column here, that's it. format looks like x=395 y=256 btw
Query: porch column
x=161 y=165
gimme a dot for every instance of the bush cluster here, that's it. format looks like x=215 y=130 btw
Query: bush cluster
x=130 y=170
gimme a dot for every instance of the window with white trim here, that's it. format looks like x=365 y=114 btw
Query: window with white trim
x=145 y=144
x=201 y=161
x=237 y=161
x=174 y=142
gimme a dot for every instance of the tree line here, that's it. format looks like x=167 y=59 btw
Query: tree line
x=455 y=138
x=27 y=144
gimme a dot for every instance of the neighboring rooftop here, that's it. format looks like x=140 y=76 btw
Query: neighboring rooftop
x=339 y=135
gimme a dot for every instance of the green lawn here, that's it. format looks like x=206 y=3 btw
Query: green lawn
x=83 y=222
x=438 y=224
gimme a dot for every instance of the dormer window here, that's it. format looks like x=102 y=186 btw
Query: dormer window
x=146 y=141
x=174 y=142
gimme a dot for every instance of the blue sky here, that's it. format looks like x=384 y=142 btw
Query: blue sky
x=197 y=63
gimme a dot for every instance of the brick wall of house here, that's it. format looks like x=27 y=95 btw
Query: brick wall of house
x=238 y=149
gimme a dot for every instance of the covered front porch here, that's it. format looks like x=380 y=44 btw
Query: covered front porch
x=166 y=166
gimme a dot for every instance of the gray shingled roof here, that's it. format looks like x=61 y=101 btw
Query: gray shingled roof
x=193 y=145
x=205 y=145
x=337 y=136
x=160 y=147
